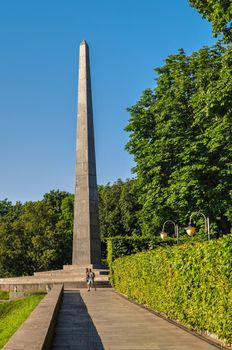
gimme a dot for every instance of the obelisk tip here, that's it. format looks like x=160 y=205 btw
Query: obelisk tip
x=84 y=42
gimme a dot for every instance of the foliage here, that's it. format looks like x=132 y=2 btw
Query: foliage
x=180 y=137
x=122 y=245
x=37 y=236
x=4 y=295
x=118 y=208
x=5 y=206
x=219 y=12
x=13 y=314
x=189 y=283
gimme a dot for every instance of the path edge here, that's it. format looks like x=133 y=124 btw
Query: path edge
x=175 y=323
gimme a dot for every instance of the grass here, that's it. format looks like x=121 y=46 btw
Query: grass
x=4 y=295
x=14 y=313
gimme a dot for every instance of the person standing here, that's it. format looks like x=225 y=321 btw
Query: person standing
x=91 y=283
x=87 y=277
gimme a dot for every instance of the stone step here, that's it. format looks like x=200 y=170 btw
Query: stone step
x=48 y=279
x=32 y=287
x=69 y=273
x=83 y=267
x=45 y=272
x=73 y=270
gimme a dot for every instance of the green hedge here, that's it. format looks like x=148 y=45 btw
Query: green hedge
x=191 y=283
x=126 y=245
x=122 y=245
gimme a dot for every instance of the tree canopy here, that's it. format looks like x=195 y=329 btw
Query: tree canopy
x=219 y=12
x=180 y=137
x=36 y=236
x=119 y=208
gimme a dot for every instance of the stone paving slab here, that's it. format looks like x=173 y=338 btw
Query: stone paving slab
x=104 y=320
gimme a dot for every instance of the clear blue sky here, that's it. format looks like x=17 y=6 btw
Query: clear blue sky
x=38 y=82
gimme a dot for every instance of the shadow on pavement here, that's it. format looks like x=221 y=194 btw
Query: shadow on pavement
x=75 y=328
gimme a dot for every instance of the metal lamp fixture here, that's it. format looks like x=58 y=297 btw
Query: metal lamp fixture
x=164 y=235
x=191 y=230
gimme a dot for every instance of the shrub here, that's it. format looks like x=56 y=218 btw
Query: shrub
x=190 y=283
x=122 y=245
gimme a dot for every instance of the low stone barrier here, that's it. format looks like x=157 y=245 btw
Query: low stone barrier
x=16 y=295
x=36 y=332
x=71 y=276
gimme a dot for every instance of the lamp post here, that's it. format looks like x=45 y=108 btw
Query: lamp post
x=192 y=229
x=164 y=234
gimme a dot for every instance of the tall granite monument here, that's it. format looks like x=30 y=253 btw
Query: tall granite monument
x=86 y=234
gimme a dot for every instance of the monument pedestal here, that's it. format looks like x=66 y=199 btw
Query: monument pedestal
x=72 y=277
x=83 y=267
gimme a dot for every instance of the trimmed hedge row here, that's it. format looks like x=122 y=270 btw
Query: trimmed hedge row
x=122 y=245
x=119 y=246
x=191 y=283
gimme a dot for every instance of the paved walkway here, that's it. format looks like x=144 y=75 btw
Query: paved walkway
x=103 y=320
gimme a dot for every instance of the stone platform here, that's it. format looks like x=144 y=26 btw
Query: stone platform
x=71 y=276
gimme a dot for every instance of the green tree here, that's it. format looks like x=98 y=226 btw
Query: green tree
x=130 y=207
x=109 y=209
x=67 y=209
x=37 y=236
x=14 y=244
x=180 y=136
x=5 y=206
x=118 y=208
x=50 y=232
x=219 y=12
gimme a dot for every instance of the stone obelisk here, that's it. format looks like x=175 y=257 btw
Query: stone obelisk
x=86 y=235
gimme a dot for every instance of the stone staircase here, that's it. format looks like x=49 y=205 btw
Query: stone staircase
x=72 y=277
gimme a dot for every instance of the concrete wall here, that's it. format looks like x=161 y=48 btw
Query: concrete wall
x=36 y=333
x=41 y=287
x=24 y=287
